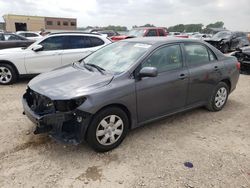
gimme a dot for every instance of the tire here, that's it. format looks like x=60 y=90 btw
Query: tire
x=217 y=101
x=7 y=74
x=117 y=124
x=225 y=48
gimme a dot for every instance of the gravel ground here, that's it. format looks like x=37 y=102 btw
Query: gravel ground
x=217 y=144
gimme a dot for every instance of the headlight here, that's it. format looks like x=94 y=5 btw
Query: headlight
x=68 y=105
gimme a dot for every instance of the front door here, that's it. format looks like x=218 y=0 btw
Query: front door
x=50 y=57
x=167 y=92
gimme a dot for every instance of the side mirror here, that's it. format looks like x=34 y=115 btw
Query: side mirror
x=148 y=72
x=37 y=48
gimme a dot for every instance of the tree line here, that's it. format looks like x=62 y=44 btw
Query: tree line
x=176 y=28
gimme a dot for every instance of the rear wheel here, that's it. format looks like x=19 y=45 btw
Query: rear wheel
x=218 y=98
x=7 y=74
x=107 y=129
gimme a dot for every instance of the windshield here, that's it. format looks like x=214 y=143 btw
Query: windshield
x=117 y=57
x=223 y=34
x=136 y=32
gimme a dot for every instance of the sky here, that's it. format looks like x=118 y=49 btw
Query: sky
x=234 y=13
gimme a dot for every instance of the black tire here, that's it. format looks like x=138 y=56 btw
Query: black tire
x=96 y=123
x=211 y=106
x=11 y=78
x=225 y=48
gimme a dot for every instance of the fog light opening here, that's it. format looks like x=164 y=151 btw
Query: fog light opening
x=79 y=119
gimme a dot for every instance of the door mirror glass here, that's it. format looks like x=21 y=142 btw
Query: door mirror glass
x=148 y=72
x=37 y=48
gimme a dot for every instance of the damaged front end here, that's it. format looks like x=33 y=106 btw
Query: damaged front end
x=60 y=118
x=243 y=56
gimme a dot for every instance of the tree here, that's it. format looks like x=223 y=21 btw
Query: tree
x=148 y=25
x=218 y=24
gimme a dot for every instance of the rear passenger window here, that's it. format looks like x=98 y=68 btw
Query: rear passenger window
x=96 y=41
x=151 y=33
x=165 y=59
x=211 y=55
x=196 y=54
x=75 y=42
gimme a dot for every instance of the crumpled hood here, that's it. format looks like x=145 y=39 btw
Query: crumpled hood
x=217 y=39
x=68 y=82
x=11 y=51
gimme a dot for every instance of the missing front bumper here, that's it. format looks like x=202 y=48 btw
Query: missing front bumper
x=67 y=127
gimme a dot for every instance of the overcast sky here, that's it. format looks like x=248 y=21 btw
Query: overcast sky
x=234 y=13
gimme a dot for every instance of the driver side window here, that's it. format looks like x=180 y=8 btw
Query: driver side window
x=53 y=43
x=165 y=59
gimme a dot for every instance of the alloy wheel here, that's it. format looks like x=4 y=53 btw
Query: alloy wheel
x=5 y=75
x=221 y=97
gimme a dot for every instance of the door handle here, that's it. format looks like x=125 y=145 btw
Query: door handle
x=182 y=76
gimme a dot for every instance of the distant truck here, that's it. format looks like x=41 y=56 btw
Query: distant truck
x=143 y=32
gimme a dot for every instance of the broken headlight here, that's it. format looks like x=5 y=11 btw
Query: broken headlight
x=68 y=105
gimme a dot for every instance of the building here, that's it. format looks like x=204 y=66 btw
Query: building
x=2 y=26
x=15 y=23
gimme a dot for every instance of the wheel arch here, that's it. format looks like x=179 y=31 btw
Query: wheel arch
x=228 y=82
x=121 y=106
x=11 y=64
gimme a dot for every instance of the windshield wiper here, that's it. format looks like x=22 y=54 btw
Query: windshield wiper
x=100 y=69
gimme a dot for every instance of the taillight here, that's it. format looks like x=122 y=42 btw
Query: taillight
x=238 y=65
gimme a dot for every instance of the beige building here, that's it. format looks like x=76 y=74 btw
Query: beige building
x=15 y=23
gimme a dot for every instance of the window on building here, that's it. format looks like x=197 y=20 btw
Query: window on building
x=73 y=23
x=65 y=23
x=58 y=23
x=49 y=23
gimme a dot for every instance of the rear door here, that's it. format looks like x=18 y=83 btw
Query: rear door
x=79 y=47
x=204 y=71
x=167 y=92
x=47 y=59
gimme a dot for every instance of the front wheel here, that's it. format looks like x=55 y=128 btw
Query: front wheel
x=107 y=129
x=218 y=98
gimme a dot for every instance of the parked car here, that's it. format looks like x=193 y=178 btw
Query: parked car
x=243 y=56
x=201 y=36
x=178 y=34
x=10 y=40
x=126 y=85
x=30 y=35
x=51 y=52
x=227 y=41
x=142 y=32
x=109 y=33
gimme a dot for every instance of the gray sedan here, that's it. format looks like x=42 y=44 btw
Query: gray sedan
x=126 y=85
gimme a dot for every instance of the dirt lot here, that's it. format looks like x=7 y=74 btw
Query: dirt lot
x=218 y=145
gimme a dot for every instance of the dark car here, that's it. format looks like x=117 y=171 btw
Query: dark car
x=10 y=40
x=143 y=32
x=109 y=33
x=227 y=41
x=126 y=85
x=243 y=56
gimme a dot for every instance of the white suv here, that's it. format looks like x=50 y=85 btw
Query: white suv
x=51 y=52
x=30 y=35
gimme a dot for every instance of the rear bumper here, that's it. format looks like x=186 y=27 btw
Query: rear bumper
x=67 y=127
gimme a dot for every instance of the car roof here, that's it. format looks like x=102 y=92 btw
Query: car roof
x=76 y=34
x=161 y=40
